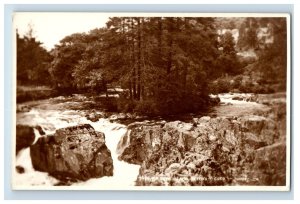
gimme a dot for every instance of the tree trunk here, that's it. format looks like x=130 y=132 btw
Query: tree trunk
x=143 y=55
x=133 y=62
x=105 y=88
x=185 y=66
x=160 y=33
x=139 y=61
x=130 y=89
x=170 y=45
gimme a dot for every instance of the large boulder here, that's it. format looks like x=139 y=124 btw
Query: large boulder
x=73 y=153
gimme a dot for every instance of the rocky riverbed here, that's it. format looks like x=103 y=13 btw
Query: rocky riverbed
x=63 y=141
x=211 y=151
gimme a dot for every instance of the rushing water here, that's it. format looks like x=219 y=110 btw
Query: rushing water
x=59 y=112
x=231 y=107
x=53 y=114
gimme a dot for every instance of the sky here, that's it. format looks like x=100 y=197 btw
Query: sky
x=50 y=28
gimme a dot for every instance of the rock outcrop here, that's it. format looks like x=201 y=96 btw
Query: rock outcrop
x=270 y=164
x=95 y=116
x=214 y=100
x=246 y=97
x=265 y=166
x=20 y=169
x=209 y=151
x=73 y=153
x=24 y=137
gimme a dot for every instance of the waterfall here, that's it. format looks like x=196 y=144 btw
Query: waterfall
x=51 y=117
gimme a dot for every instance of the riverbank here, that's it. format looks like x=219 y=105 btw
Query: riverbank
x=32 y=93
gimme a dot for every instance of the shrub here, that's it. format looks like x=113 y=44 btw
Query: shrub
x=147 y=107
x=220 y=86
x=246 y=87
x=223 y=86
x=109 y=104
x=237 y=81
x=126 y=105
x=245 y=61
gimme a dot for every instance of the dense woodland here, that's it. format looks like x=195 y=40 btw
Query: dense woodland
x=165 y=64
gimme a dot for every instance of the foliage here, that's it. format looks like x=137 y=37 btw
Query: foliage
x=221 y=85
x=229 y=22
x=227 y=62
x=267 y=37
x=227 y=43
x=165 y=65
x=162 y=63
x=272 y=61
x=65 y=57
x=248 y=34
x=32 y=61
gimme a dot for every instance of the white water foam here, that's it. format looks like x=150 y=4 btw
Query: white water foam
x=124 y=175
x=30 y=177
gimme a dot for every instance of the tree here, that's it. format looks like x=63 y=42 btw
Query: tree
x=66 y=55
x=248 y=34
x=163 y=62
x=32 y=60
x=272 y=62
x=227 y=43
x=176 y=80
x=101 y=62
x=227 y=61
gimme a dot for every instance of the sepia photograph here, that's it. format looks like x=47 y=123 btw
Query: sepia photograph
x=151 y=101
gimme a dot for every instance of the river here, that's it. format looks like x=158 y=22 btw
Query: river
x=52 y=114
